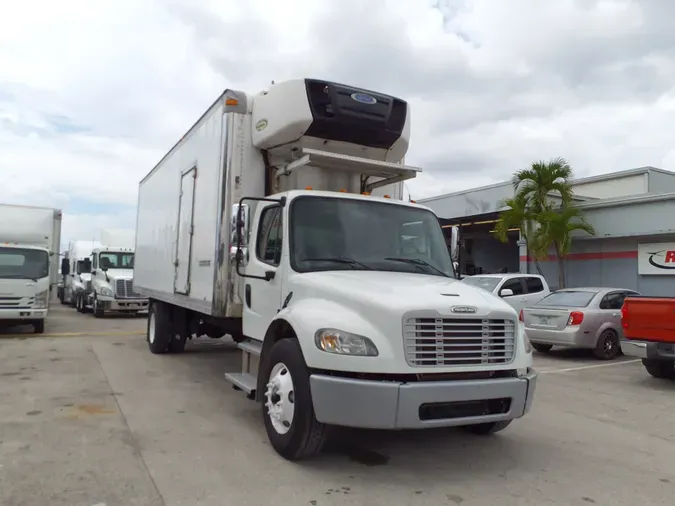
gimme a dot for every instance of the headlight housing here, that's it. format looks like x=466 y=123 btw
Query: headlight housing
x=344 y=343
x=107 y=292
x=41 y=299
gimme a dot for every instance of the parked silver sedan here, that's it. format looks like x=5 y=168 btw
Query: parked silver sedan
x=578 y=318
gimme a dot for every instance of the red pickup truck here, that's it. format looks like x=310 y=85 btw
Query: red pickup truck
x=649 y=333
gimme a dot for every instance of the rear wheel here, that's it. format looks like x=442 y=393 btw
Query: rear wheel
x=608 y=346
x=287 y=408
x=661 y=369
x=159 y=328
x=487 y=428
x=542 y=348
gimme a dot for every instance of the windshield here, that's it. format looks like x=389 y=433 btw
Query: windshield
x=83 y=267
x=339 y=234
x=568 y=299
x=113 y=260
x=19 y=263
x=484 y=282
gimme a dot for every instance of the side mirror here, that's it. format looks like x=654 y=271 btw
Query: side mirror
x=505 y=292
x=78 y=268
x=65 y=266
x=454 y=243
x=104 y=269
x=87 y=265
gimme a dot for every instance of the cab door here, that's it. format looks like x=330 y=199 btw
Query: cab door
x=263 y=272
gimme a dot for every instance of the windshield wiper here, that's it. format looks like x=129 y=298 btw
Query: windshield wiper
x=418 y=262
x=339 y=260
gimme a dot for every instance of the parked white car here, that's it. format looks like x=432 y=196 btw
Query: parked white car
x=518 y=290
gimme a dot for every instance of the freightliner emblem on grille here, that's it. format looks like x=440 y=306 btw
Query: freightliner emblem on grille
x=463 y=309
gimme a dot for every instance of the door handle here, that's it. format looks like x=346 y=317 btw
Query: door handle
x=616 y=314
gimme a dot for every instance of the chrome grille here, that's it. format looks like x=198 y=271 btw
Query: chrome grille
x=458 y=341
x=124 y=289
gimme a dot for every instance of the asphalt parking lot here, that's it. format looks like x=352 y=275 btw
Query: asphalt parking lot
x=89 y=417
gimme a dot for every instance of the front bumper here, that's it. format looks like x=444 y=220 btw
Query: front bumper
x=648 y=349
x=22 y=315
x=419 y=405
x=110 y=304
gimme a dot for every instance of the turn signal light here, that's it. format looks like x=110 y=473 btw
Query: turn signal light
x=387 y=197
x=576 y=317
x=520 y=316
x=624 y=317
x=308 y=188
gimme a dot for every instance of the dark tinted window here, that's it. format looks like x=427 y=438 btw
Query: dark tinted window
x=513 y=284
x=268 y=244
x=534 y=285
x=568 y=298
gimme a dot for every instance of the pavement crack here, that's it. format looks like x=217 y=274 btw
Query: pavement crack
x=131 y=438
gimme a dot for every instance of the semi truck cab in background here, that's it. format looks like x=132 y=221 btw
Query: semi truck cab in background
x=272 y=220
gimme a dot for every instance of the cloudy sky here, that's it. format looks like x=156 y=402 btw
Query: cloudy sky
x=93 y=93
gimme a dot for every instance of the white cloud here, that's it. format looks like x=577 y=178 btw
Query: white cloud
x=93 y=93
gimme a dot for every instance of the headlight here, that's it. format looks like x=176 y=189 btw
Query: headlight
x=107 y=292
x=41 y=299
x=344 y=343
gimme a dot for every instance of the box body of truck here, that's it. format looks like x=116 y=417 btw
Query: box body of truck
x=272 y=220
x=29 y=263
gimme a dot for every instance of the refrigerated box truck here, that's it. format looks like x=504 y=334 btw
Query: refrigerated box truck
x=30 y=240
x=272 y=220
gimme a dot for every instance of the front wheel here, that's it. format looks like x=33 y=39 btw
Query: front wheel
x=287 y=408
x=39 y=327
x=97 y=310
x=484 y=429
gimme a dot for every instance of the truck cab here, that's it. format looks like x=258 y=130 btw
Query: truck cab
x=76 y=269
x=24 y=285
x=112 y=274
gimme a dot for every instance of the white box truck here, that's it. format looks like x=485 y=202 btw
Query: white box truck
x=112 y=275
x=76 y=269
x=30 y=240
x=263 y=223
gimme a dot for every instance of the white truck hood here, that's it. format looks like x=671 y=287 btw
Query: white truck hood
x=17 y=288
x=114 y=274
x=398 y=291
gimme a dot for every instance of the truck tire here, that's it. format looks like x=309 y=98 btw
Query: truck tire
x=98 y=312
x=542 y=348
x=39 y=327
x=159 y=328
x=287 y=408
x=661 y=369
x=608 y=346
x=484 y=429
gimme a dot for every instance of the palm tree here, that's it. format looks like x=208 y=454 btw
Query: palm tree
x=555 y=230
x=517 y=215
x=536 y=183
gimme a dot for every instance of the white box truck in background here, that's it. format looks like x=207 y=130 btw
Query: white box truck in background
x=76 y=269
x=112 y=275
x=30 y=240
x=262 y=223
